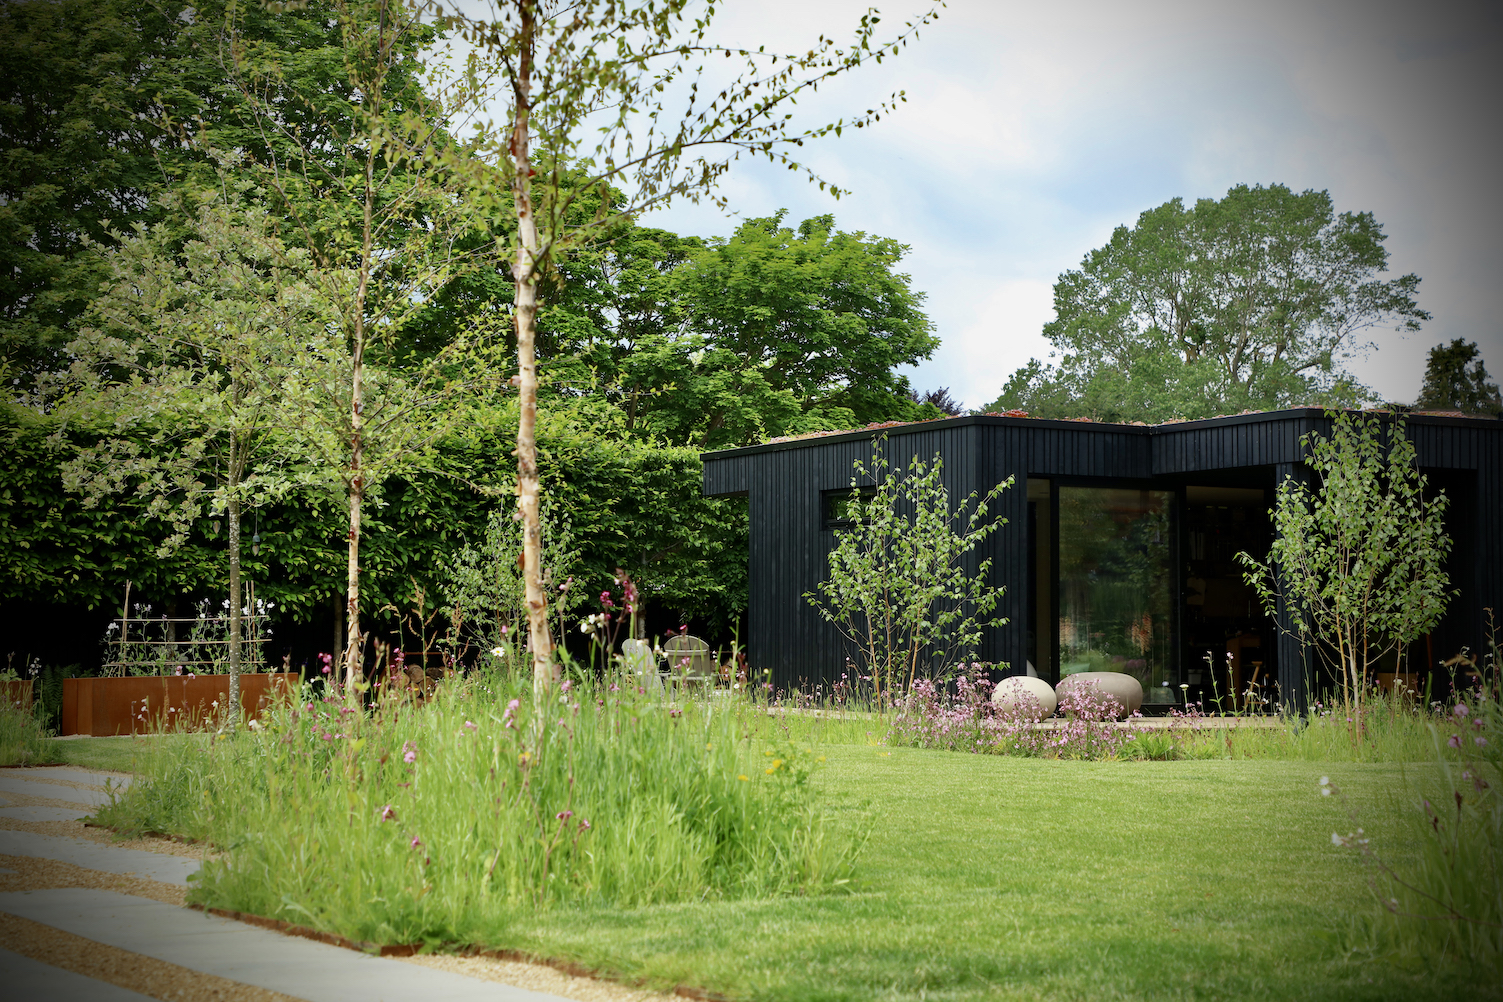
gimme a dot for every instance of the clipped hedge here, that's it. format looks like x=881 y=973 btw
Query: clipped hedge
x=632 y=504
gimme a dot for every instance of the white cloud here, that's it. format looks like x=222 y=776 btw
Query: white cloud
x=1031 y=130
x=1001 y=334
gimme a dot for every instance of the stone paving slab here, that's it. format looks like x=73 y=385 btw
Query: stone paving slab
x=29 y=979
x=49 y=772
x=44 y=813
x=93 y=856
x=14 y=781
x=238 y=952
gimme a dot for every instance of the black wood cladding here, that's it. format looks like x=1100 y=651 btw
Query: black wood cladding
x=789 y=545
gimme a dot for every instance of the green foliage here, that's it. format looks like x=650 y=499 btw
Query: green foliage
x=1456 y=380
x=48 y=692
x=204 y=329
x=58 y=549
x=792 y=331
x=23 y=740
x=132 y=240
x=1360 y=558
x=454 y=820
x=100 y=96
x=487 y=599
x=904 y=588
x=1247 y=303
x=725 y=342
x=631 y=505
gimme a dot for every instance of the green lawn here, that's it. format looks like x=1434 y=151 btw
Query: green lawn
x=124 y=754
x=993 y=877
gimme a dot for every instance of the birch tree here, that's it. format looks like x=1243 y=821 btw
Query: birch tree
x=899 y=589
x=1360 y=559
x=358 y=163
x=631 y=97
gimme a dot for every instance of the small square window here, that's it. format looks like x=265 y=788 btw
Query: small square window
x=842 y=508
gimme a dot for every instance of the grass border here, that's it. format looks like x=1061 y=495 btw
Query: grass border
x=398 y=950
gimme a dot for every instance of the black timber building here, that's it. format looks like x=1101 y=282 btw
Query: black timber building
x=1120 y=543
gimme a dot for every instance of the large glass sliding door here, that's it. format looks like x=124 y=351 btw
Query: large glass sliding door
x=1115 y=575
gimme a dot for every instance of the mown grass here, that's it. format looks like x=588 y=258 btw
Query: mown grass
x=1394 y=730
x=996 y=877
x=119 y=754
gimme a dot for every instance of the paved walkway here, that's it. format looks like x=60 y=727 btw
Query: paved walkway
x=174 y=952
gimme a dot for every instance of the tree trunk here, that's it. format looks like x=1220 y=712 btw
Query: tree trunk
x=525 y=277
x=232 y=516
x=357 y=496
x=352 y=666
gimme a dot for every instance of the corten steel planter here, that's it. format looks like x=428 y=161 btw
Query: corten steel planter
x=16 y=693
x=105 y=707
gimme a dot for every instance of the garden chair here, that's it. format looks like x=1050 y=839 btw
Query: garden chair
x=639 y=664
x=690 y=663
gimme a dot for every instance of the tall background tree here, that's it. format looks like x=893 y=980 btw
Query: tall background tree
x=100 y=104
x=1247 y=303
x=180 y=372
x=1456 y=380
x=777 y=331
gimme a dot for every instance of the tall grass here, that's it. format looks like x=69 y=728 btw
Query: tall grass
x=1393 y=728
x=23 y=741
x=1448 y=903
x=444 y=822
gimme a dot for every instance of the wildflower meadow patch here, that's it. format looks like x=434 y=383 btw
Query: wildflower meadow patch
x=441 y=822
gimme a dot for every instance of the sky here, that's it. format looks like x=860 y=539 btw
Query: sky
x=1032 y=130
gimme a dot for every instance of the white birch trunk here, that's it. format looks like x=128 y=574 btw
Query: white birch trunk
x=524 y=274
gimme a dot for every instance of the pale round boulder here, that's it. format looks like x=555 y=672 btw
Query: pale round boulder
x=1123 y=689
x=1027 y=694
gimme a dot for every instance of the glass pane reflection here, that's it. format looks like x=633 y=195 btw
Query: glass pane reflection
x=1114 y=584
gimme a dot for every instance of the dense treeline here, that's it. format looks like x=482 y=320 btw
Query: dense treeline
x=169 y=197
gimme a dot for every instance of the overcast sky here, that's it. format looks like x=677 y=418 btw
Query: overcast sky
x=1033 y=129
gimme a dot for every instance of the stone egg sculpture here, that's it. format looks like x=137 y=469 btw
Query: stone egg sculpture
x=1122 y=689
x=1024 y=695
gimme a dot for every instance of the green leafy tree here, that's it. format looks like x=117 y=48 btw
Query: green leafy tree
x=1358 y=558
x=790 y=330
x=1250 y=302
x=1456 y=380
x=723 y=342
x=379 y=195
x=194 y=342
x=619 y=88
x=104 y=106
x=900 y=589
